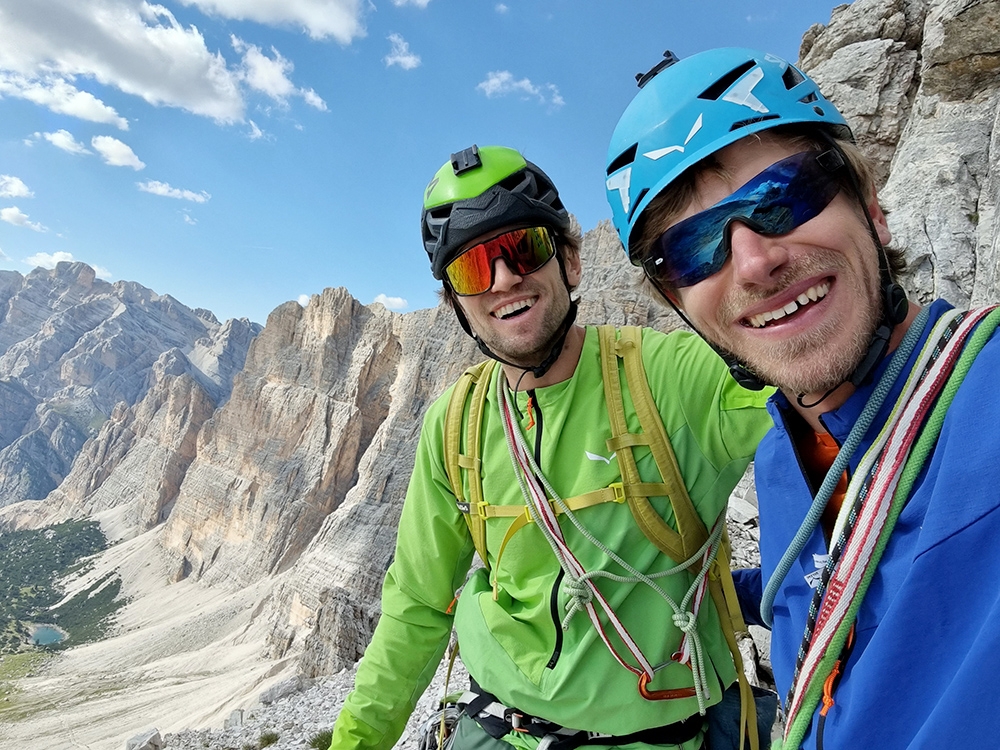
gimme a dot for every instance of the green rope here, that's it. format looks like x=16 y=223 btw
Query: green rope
x=914 y=464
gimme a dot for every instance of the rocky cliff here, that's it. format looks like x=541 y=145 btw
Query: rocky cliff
x=291 y=485
x=75 y=350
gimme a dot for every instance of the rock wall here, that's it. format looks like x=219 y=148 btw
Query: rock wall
x=73 y=349
x=920 y=84
x=283 y=452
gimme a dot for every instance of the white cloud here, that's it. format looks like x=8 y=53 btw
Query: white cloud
x=416 y=3
x=501 y=8
x=161 y=188
x=269 y=75
x=131 y=45
x=313 y=99
x=392 y=303
x=14 y=215
x=400 y=54
x=502 y=83
x=64 y=139
x=116 y=153
x=304 y=300
x=255 y=132
x=102 y=273
x=188 y=219
x=13 y=187
x=57 y=94
x=49 y=261
x=4 y=256
x=321 y=19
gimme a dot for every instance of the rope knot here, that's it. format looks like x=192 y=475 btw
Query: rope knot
x=686 y=622
x=579 y=592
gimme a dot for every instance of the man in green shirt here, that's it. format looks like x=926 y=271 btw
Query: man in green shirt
x=579 y=630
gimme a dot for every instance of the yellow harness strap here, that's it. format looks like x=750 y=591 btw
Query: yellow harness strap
x=691 y=533
x=682 y=544
x=476 y=378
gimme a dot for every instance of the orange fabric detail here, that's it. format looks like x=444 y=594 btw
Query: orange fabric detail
x=818 y=451
x=531 y=414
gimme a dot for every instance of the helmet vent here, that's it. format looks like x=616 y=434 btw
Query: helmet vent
x=792 y=77
x=625 y=157
x=809 y=98
x=520 y=182
x=638 y=200
x=819 y=111
x=753 y=120
x=721 y=86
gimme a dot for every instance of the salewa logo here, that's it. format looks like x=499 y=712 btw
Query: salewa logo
x=659 y=153
x=597 y=457
x=815 y=577
x=621 y=181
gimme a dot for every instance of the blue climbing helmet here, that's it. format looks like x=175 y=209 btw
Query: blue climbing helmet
x=688 y=109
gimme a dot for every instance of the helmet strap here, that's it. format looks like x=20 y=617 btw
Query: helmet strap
x=740 y=372
x=894 y=303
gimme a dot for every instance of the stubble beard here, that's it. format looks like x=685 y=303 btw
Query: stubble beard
x=809 y=363
x=529 y=356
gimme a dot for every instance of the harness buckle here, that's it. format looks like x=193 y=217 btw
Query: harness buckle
x=619 y=489
x=514 y=718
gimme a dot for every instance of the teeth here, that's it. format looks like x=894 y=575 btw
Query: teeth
x=811 y=294
x=512 y=308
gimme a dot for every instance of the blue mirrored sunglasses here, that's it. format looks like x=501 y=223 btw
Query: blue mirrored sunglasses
x=782 y=197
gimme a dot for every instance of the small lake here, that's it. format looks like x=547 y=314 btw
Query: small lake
x=46 y=635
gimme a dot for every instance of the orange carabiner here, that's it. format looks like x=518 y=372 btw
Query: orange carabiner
x=662 y=695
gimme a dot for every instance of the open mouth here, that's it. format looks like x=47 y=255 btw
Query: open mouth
x=809 y=296
x=513 y=309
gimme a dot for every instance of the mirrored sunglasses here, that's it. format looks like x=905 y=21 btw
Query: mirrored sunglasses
x=782 y=197
x=523 y=250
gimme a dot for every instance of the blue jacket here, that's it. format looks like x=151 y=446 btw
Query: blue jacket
x=925 y=669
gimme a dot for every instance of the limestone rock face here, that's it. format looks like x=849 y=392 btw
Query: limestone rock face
x=73 y=347
x=331 y=597
x=283 y=452
x=919 y=83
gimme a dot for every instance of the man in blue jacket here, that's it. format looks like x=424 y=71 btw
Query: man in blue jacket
x=736 y=186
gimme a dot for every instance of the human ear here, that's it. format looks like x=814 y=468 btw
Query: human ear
x=879 y=220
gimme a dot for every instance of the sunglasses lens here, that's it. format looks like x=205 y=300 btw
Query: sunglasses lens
x=524 y=251
x=782 y=197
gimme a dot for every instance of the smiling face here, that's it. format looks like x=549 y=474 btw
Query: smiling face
x=520 y=316
x=799 y=309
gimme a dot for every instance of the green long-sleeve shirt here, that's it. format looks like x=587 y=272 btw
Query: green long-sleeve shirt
x=513 y=645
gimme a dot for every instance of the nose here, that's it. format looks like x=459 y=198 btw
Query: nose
x=504 y=278
x=756 y=258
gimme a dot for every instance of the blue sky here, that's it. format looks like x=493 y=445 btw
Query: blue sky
x=237 y=154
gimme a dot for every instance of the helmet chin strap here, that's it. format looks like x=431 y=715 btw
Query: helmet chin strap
x=740 y=372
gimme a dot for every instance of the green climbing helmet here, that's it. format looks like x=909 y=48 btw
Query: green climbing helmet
x=480 y=190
